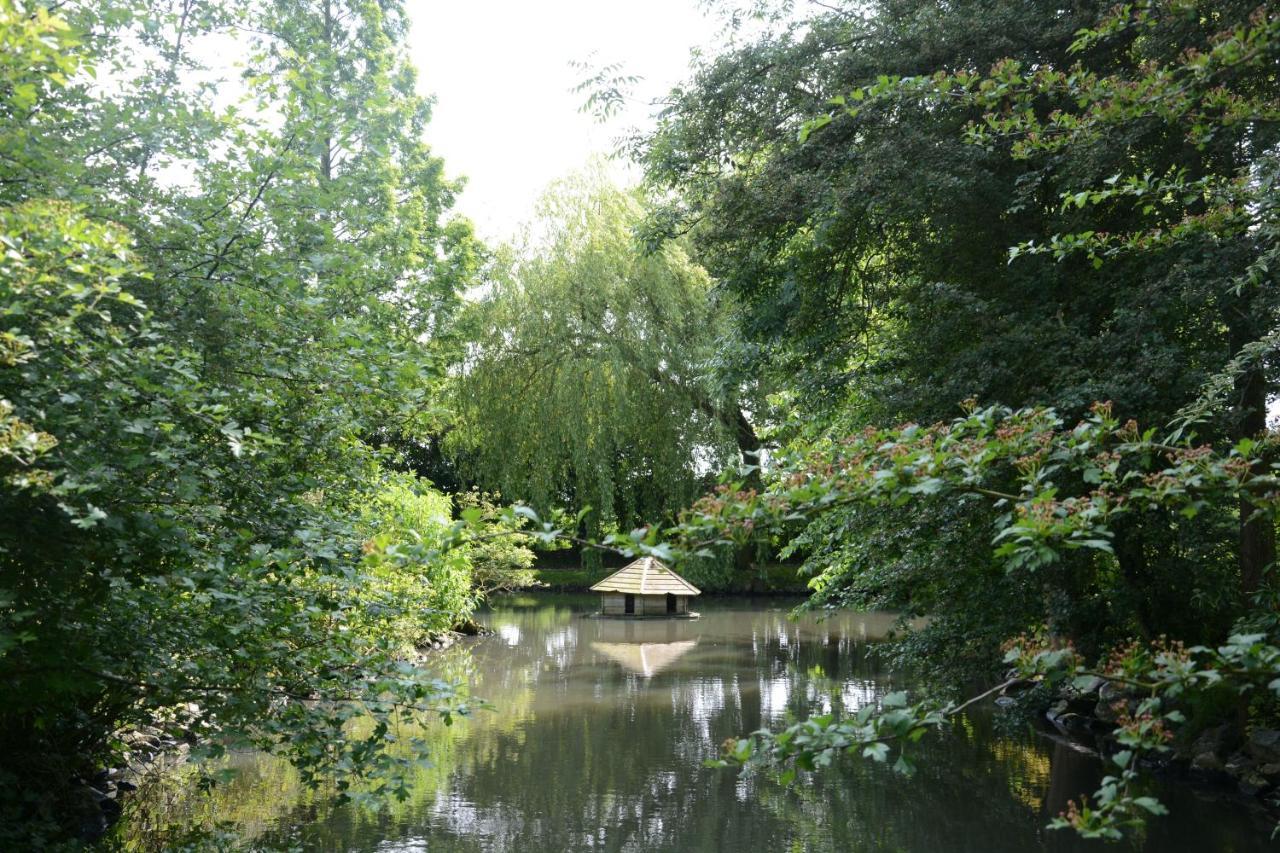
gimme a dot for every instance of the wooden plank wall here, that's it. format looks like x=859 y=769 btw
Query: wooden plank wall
x=614 y=604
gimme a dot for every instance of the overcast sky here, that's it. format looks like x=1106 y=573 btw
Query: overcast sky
x=499 y=69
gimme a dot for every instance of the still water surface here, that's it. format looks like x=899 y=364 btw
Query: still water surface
x=601 y=728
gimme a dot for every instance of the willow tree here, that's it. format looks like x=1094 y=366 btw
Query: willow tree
x=593 y=380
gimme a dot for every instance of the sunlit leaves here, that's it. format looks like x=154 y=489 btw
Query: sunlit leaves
x=195 y=531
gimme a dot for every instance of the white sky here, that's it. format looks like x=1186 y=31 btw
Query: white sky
x=505 y=118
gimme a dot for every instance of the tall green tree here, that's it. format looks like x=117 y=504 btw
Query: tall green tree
x=872 y=257
x=592 y=381
x=206 y=309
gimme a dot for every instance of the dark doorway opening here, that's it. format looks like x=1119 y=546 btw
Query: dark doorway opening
x=629 y=604
x=671 y=603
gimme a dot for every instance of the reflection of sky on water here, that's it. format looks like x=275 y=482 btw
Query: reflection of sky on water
x=510 y=634
x=560 y=646
x=405 y=845
x=703 y=699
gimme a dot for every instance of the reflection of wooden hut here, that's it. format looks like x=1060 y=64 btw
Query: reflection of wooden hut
x=643 y=589
x=647 y=659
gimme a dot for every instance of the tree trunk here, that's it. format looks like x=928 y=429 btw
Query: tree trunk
x=748 y=442
x=749 y=450
x=1257 y=533
x=734 y=419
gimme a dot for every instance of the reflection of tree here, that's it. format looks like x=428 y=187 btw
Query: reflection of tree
x=261 y=798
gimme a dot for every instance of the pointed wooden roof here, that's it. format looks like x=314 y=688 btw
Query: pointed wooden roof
x=646 y=576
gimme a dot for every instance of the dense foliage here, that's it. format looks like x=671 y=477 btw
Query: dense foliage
x=206 y=308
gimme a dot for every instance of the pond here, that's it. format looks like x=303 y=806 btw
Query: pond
x=601 y=726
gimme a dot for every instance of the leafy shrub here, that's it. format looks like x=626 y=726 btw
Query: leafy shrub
x=414 y=585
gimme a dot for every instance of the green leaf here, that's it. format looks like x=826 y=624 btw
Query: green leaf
x=1151 y=804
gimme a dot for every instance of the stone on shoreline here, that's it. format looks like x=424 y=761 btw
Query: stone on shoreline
x=1264 y=745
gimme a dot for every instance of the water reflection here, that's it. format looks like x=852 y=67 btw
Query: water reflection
x=602 y=726
x=647 y=659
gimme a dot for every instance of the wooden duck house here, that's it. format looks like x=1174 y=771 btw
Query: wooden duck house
x=646 y=589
